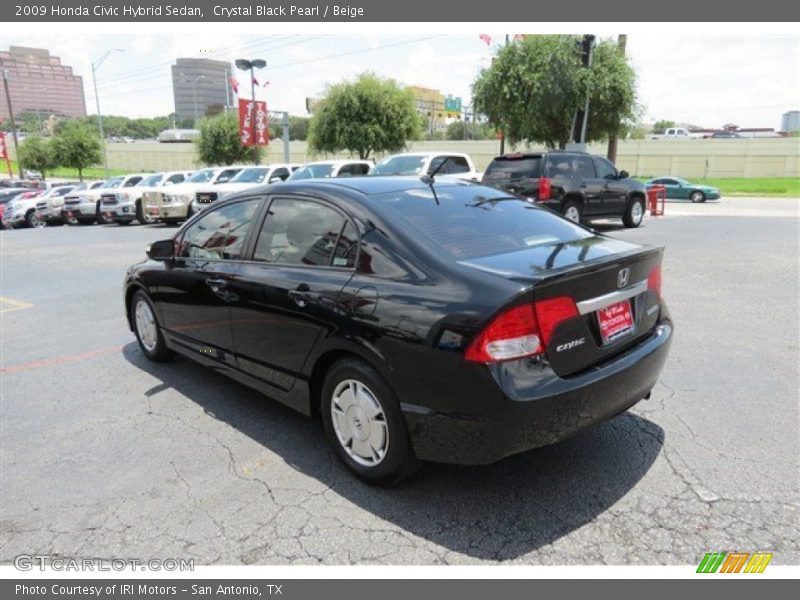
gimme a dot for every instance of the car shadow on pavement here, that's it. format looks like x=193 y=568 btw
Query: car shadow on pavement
x=495 y=512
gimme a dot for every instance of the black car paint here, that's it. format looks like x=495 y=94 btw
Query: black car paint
x=412 y=326
x=598 y=197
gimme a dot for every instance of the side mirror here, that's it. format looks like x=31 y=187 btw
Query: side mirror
x=166 y=183
x=275 y=179
x=624 y=174
x=161 y=250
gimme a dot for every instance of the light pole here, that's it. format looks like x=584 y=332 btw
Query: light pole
x=11 y=118
x=250 y=65
x=95 y=66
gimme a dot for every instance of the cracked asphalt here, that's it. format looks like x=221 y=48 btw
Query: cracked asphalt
x=103 y=454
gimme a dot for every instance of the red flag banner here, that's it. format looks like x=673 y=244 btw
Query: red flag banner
x=253 y=129
x=3 y=147
x=486 y=39
x=235 y=85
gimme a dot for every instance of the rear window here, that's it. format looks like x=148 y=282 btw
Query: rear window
x=475 y=221
x=513 y=168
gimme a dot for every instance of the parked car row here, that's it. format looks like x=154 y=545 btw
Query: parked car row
x=174 y=196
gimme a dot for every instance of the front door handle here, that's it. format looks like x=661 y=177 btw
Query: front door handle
x=302 y=295
x=216 y=284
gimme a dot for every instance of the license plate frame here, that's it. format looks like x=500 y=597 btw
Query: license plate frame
x=615 y=321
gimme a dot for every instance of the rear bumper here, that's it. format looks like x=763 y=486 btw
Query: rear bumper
x=544 y=409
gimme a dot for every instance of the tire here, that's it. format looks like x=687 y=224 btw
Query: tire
x=122 y=222
x=572 y=211
x=634 y=213
x=384 y=455
x=147 y=330
x=70 y=220
x=100 y=218
x=697 y=196
x=33 y=221
x=142 y=216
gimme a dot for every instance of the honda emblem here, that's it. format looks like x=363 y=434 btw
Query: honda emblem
x=623 y=277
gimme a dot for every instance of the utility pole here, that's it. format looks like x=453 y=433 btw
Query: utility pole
x=588 y=46
x=502 y=132
x=11 y=118
x=622 y=41
x=95 y=67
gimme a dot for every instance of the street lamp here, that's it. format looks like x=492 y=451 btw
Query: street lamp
x=95 y=66
x=250 y=65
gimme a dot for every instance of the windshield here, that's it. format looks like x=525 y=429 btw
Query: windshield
x=97 y=185
x=151 y=181
x=312 y=171
x=115 y=182
x=474 y=221
x=203 y=176
x=399 y=165
x=513 y=168
x=254 y=175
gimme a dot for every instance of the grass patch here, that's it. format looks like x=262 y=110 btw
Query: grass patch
x=774 y=187
x=62 y=173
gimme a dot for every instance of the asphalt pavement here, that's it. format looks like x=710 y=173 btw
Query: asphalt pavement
x=103 y=454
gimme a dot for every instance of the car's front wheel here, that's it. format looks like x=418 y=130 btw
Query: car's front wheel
x=147 y=330
x=572 y=210
x=634 y=213
x=33 y=221
x=142 y=215
x=363 y=423
x=697 y=196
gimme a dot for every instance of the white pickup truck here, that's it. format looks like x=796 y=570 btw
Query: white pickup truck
x=457 y=165
x=676 y=133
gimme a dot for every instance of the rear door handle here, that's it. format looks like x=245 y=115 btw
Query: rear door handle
x=215 y=284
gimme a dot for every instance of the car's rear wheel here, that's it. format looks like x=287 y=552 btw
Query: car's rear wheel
x=363 y=423
x=572 y=211
x=147 y=330
x=697 y=196
x=634 y=213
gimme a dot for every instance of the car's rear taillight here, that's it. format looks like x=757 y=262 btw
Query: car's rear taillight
x=551 y=313
x=511 y=334
x=521 y=331
x=544 y=188
x=654 y=280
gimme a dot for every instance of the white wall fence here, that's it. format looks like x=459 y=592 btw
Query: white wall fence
x=720 y=158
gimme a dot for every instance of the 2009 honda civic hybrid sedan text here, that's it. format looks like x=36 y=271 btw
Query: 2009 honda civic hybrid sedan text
x=422 y=321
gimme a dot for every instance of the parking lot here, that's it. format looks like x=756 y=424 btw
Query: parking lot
x=107 y=455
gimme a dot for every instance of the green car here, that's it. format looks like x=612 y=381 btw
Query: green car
x=685 y=190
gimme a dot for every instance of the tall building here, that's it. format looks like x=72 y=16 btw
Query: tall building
x=201 y=86
x=38 y=82
x=790 y=121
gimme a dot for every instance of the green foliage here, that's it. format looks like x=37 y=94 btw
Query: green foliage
x=662 y=125
x=475 y=131
x=370 y=114
x=219 y=142
x=76 y=146
x=115 y=126
x=37 y=154
x=536 y=85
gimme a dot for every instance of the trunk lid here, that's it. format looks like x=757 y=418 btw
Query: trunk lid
x=608 y=281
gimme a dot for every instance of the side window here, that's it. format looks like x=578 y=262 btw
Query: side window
x=226 y=175
x=583 y=167
x=220 y=234
x=605 y=170
x=301 y=232
x=177 y=178
x=435 y=162
x=360 y=169
x=458 y=164
x=346 y=248
x=132 y=181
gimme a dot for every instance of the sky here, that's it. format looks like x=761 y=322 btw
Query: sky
x=702 y=80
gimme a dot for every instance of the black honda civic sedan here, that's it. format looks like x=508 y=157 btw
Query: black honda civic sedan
x=421 y=320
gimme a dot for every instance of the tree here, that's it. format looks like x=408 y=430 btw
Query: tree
x=77 y=147
x=370 y=114
x=219 y=142
x=536 y=85
x=662 y=125
x=475 y=131
x=36 y=154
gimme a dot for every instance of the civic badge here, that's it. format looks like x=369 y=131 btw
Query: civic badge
x=623 y=277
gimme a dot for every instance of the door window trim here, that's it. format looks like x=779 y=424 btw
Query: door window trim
x=178 y=240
